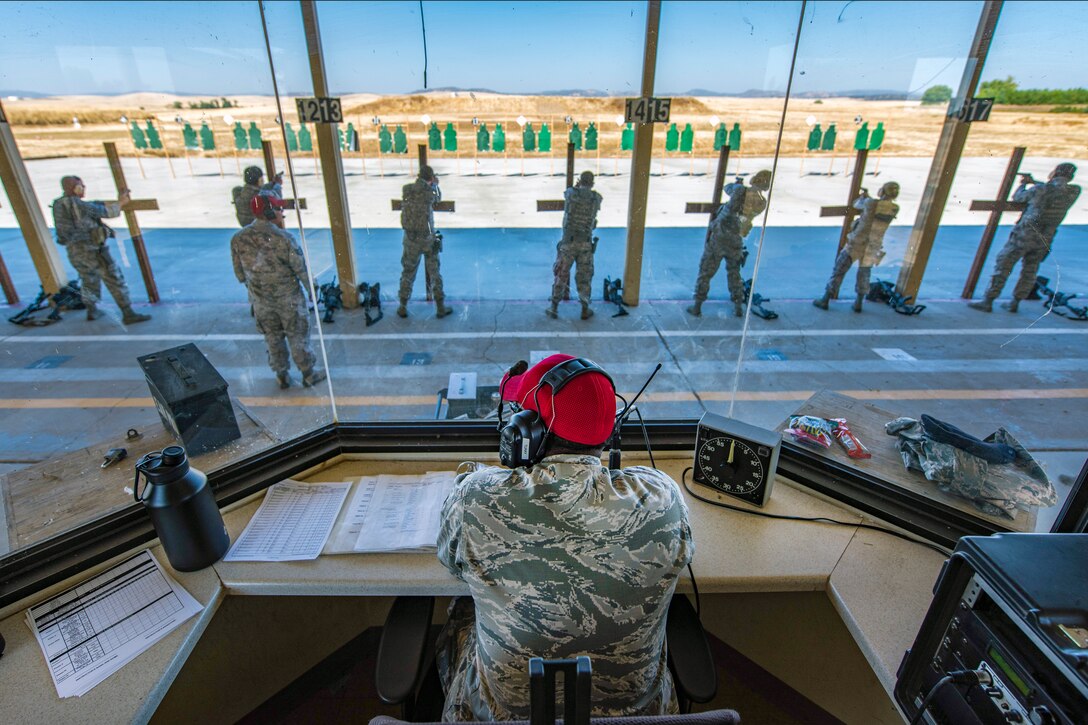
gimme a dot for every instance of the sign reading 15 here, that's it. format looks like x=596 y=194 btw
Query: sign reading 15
x=319 y=110
x=647 y=110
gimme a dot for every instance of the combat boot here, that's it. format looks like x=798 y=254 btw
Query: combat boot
x=131 y=316
x=821 y=302
x=402 y=310
x=695 y=310
x=93 y=313
x=284 y=379
x=738 y=309
x=986 y=304
x=857 y=303
x=553 y=311
x=1012 y=305
x=443 y=311
x=312 y=377
x=586 y=312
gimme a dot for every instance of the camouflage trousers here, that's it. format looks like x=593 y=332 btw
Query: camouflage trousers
x=455 y=658
x=567 y=254
x=285 y=322
x=95 y=265
x=713 y=254
x=416 y=245
x=838 y=272
x=1030 y=253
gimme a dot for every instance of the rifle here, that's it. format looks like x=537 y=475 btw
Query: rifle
x=68 y=298
x=757 y=301
x=370 y=298
x=613 y=289
x=882 y=291
x=331 y=298
x=1054 y=301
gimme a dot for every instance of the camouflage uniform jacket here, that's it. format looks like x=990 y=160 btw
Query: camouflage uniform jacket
x=994 y=489
x=580 y=207
x=74 y=218
x=566 y=558
x=733 y=221
x=415 y=197
x=1047 y=206
x=268 y=261
x=865 y=242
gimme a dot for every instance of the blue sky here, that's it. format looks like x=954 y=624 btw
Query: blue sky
x=217 y=48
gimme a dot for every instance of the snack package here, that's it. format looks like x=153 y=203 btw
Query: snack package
x=850 y=443
x=810 y=430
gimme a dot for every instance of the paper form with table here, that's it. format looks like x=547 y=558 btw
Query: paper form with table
x=94 y=629
x=390 y=513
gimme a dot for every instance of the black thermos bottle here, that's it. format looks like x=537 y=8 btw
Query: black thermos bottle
x=182 y=508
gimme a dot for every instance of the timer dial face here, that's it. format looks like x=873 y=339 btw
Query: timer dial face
x=729 y=465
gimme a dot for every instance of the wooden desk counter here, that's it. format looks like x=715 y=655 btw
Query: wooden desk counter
x=879 y=585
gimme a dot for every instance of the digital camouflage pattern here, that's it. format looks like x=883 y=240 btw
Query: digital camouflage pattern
x=417 y=220
x=725 y=240
x=864 y=243
x=563 y=558
x=74 y=221
x=568 y=253
x=995 y=489
x=269 y=262
x=1029 y=241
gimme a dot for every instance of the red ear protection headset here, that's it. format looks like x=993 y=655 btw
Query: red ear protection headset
x=522 y=440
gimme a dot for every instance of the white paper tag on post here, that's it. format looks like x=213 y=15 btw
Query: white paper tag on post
x=462 y=386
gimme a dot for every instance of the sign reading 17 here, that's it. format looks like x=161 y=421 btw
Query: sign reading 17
x=319 y=110
x=647 y=110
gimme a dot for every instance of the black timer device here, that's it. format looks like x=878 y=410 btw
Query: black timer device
x=736 y=458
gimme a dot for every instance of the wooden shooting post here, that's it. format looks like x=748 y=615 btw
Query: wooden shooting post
x=701 y=207
x=848 y=212
x=270 y=173
x=557 y=204
x=130 y=210
x=996 y=209
x=9 y=287
x=28 y=212
x=450 y=206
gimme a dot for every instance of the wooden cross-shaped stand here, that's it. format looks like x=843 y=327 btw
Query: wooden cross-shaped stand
x=701 y=207
x=130 y=209
x=439 y=206
x=848 y=212
x=996 y=209
x=270 y=174
x=553 y=204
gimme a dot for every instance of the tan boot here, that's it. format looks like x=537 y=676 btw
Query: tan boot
x=552 y=312
x=93 y=313
x=402 y=310
x=443 y=311
x=312 y=377
x=284 y=379
x=586 y=312
x=857 y=303
x=695 y=310
x=738 y=309
x=1012 y=305
x=131 y=316
x=821 y=302
x=986 y=304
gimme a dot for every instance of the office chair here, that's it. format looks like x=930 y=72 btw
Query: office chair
x=406 y=673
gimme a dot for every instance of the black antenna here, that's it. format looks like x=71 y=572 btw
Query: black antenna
x=614 y=441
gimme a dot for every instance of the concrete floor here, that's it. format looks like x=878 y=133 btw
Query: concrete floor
x=74 y=383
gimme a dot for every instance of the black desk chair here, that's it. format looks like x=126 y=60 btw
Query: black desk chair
x=406 y=673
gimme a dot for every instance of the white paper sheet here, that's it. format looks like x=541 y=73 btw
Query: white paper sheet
x=292 y=524
x=403 y=514
x=95 y=628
